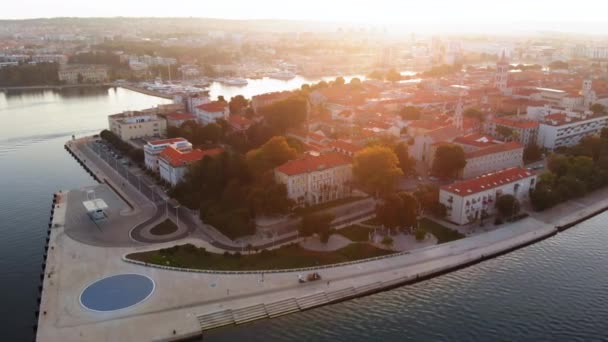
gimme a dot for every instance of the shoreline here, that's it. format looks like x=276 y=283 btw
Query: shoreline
x=146 y=91
x=57 y=87
x=183 y=302
x=260 y=305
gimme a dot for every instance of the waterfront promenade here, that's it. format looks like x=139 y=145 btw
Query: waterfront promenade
x=183 y=301
x=184 y=304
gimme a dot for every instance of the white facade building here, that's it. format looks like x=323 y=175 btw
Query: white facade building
x=131 y=125
x=211 y=112
x=467 y=200
x=316 y=179
x=74 y=74
x=493 y=158
x=561 y=129
x=173 y=164
x=154 y=147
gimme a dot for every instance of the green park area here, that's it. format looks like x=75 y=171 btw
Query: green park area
x=443 y=234
x=287 y=257
x=355 y=233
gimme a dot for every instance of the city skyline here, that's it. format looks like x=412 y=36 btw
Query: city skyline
x=433 y=16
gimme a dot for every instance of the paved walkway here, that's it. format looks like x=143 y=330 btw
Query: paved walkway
x=181 y=297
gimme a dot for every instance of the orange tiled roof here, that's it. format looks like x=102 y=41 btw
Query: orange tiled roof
x=181 y=116
x=310 y=163
x=487 y=181
x=213 y=107
x=177 y=158
x=497 y=148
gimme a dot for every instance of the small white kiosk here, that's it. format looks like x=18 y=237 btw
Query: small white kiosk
x=95 y=206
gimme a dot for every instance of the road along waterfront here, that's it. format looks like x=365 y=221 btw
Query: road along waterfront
x=194 y=301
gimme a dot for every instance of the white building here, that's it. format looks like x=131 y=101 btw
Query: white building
x=74 y=74
x=173 y=164
x=316 y=179
x=154 y=147
x=211 y=112
x=132 y=125
x=525 y=131
x=493 y=158
x=468 y=199
x=561 y=129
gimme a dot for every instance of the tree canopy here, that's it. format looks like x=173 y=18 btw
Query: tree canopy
x=507 y=205
x=398 y=210
x=407 y=164
x=376 y=168
x=285 y=114
x=319 y=223
x=272 y=154
x=448 y=161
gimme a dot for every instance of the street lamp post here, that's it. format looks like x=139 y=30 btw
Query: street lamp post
x=177 y=214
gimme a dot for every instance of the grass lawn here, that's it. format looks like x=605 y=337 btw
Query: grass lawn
x=355 y=233
x=164 y=228
x=292 y=256
x=322 y=206
x=442 y=233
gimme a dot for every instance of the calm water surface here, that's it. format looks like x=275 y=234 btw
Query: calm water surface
x=34 y=165
x=556 y=290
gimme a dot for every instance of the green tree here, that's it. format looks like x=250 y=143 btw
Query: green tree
x=448 y=161
x=387 y=241
x=289 y=113
x=558 y=65
x=237 y=104
x=558 y=164
x=339 y=81
x=377 y=169
x=272 y=154
x=407 y=164
x=507 y=206
x=410 y=113
x=598 y=108
x=319 y=223
x=532 y=153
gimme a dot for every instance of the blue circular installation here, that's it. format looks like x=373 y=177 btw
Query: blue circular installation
x=117 y=292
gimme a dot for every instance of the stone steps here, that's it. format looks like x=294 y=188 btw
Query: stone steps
x=250 y=313
x=341 y=294
x=216 y=319
x=312 y=300
x=282 y=307
x=368 y=287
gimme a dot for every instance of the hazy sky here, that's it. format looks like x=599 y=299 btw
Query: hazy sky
x=463 y=12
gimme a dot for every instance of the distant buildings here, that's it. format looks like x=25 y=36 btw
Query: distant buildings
x=154 y=147
x=75 y=74
x=468 y=200
x=132 y=125
x=174 y=163
x=522 y=130
x=316 y=179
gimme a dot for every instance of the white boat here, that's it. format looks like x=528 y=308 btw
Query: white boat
x=233 y=81
x=283 y=75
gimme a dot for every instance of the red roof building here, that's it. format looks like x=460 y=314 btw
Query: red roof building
x=173 y=163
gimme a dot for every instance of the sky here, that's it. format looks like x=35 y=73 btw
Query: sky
x=549 y=14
